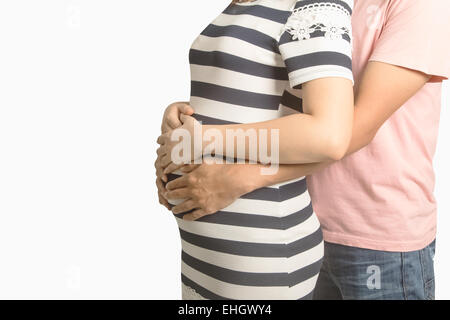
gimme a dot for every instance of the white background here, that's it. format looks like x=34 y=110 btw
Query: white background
x=83 y=85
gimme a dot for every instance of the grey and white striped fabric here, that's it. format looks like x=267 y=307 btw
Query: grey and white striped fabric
x=248 y=66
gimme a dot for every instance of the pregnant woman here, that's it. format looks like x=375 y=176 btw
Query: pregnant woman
x=265 y=65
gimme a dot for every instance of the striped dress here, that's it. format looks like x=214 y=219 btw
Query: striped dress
x=248 y=66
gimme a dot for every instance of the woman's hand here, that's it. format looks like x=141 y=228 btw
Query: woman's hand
x=171 y=119
x=209 y=188
x=189 y=125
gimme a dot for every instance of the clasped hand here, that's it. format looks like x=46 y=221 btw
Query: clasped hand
x=206 y=188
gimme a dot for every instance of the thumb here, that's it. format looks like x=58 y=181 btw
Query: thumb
x=184 y=118
x=186 y=109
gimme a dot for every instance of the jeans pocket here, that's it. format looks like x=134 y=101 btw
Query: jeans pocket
x=427 y=262
x=429 y=290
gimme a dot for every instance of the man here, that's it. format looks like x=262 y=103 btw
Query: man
x=376 y=206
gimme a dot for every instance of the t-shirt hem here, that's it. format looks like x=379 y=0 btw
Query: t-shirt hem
x=380 y=245
x=298 y=80
x=436 y=76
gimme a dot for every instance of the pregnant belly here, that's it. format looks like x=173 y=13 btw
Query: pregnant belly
x=276 y=215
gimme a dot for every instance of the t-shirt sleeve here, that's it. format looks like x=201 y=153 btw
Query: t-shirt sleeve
x=316 y=41
x=416 y=35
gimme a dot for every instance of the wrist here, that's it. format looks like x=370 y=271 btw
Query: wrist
x=197 y=143
x=248 y=177
x=215 y=131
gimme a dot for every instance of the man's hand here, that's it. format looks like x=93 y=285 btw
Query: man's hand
x=209 y=188
x=161 y=178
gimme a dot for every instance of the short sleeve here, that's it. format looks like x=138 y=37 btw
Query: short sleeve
x=316 y=41
x=416 y=36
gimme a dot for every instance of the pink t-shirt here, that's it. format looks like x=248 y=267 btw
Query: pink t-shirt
x=381 y=197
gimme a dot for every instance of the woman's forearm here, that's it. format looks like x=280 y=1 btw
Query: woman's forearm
x=319 y=134
x=298 y=138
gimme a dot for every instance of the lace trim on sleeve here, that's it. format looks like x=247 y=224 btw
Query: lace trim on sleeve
x=332 y=19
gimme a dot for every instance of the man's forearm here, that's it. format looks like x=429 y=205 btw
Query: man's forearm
x=320 y=134
x=290 y=150
x=362 y=135
x=250 y=176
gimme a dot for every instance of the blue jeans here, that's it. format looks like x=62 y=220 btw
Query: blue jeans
x=360 y=274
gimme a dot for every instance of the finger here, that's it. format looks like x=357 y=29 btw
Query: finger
x=182 y=193
x=163 y=201
x=157 y=162
x=197 y=214
x=184 y=207
x=165 y=127
x=184 y=118
x=160 y=186
x=168 y=113
x=177 y=183
x=189 y=168
x=161 y=175
x=162 y=139
x=186 y=109
x=160 y=171
x=165 y=160
x=173 y=121
x=161 y=151
x=172 y=167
